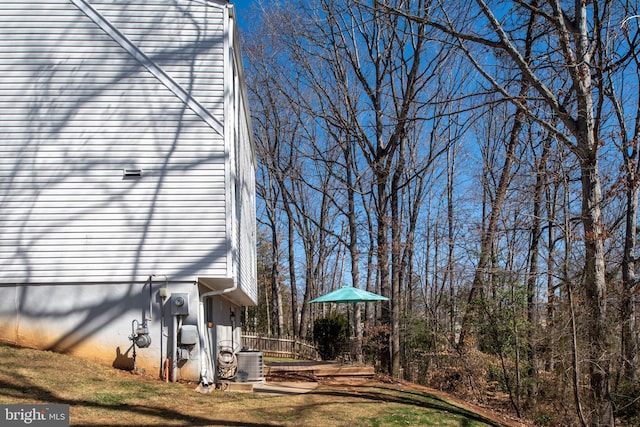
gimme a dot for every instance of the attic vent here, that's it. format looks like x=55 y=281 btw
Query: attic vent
x=131 y=173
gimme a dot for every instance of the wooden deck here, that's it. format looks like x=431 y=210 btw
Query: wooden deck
x=318 y=369
x=283 y=346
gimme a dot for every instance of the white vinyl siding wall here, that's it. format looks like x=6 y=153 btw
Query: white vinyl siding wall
x=245 y=188
x=76 y=109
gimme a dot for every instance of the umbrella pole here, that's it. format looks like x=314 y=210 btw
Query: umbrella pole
x=358 y=332
x=351 y=335
x=348 y=332
x=348 y=326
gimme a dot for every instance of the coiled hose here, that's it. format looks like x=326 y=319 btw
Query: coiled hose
x=227 y=364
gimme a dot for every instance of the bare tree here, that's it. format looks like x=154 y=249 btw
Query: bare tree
x=366 y=68
x=628 y=137
x=368 y=111
x=489 y=231
x=566 y=41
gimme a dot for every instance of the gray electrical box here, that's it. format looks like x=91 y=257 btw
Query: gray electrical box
x=188 y=335
x=179 y=304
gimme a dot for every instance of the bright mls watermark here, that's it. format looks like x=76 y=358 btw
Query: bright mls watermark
x=34 y=415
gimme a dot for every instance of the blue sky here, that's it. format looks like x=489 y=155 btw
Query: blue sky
x=243 y=11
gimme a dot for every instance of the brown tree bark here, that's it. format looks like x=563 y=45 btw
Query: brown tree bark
x=536 y=236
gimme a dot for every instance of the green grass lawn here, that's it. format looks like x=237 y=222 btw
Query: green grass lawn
x=102 y=396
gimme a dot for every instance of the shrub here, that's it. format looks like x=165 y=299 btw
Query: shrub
x=331 y=334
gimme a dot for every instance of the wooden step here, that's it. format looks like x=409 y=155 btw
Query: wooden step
x=348 y=371
x=236 y=387
x=319 y=369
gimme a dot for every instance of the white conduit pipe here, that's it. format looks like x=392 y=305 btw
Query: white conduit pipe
x=174 y=348
x=204 y=350
x=163 y=355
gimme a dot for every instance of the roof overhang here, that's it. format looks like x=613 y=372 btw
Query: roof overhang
x=225 y=287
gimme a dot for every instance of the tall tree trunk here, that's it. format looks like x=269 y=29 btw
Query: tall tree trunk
x=488 y=235
x=536 y=234
x=292 y=274
x=450 y=239
x=310 y=292
x=353 y=243
x=276 y=297
x=370 y=308
x=384 y=276
x=551 y=286
x=629 y=144
x=595 y=288
x=576 y=33
x=575 y=363
x=628 y=306
x=396 y=264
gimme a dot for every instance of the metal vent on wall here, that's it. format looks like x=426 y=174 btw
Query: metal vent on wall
x=131 y=173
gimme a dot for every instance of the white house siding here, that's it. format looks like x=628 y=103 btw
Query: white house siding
x=75 y=110
x=246 y=214
x=186 y=39
x=78 y=242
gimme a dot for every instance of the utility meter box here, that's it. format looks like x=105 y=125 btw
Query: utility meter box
x=179 y=304
x=188 y=335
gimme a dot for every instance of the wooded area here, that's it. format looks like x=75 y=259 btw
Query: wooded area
x=476 y=163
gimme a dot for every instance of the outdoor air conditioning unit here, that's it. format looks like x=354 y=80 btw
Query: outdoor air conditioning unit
x=249 y=366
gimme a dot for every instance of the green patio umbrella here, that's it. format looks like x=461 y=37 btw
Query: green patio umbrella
x=349 y=294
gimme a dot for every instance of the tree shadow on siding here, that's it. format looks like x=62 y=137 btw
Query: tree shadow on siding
x=51 y=117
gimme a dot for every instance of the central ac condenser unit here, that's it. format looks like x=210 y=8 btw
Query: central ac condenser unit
x=250 y=367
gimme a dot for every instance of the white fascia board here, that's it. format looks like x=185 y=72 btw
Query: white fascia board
x=213 y=3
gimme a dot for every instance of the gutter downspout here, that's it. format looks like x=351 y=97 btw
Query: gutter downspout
x=204 y=350
x=228 y=44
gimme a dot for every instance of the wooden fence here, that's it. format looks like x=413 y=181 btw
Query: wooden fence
x=289 y=347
